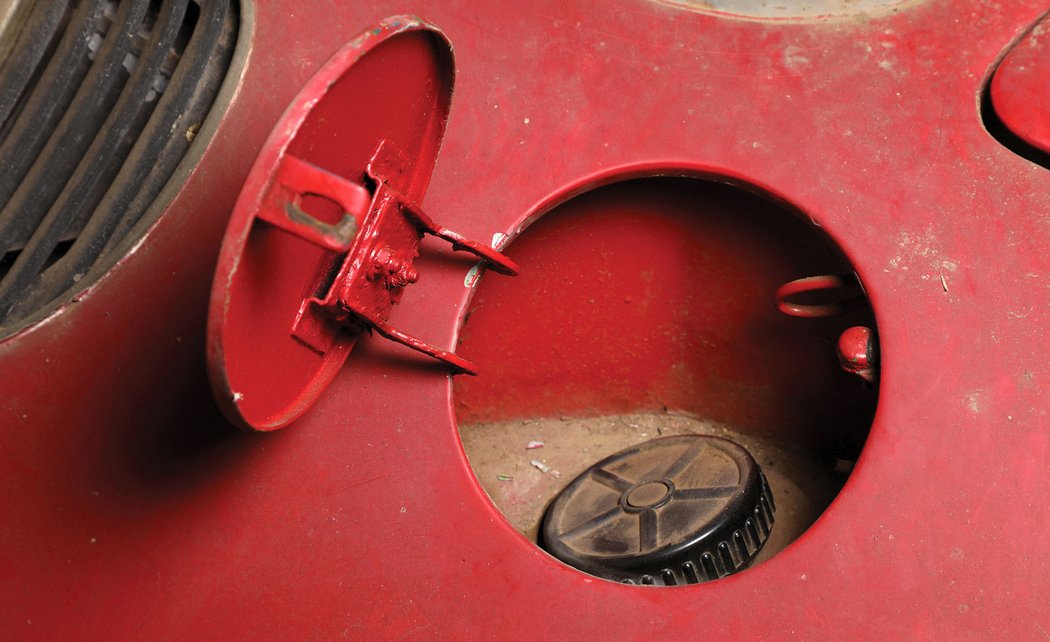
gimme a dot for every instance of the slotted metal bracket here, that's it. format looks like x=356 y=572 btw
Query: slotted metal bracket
x=380 y=233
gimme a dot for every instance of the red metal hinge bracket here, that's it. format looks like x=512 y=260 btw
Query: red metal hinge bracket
x=380 y=233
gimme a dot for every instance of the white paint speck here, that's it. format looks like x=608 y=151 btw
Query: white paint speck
x=472 y=276
x=972 y=401
x=793 y=59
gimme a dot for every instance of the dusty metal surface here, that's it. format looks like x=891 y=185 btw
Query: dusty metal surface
x=132 y=509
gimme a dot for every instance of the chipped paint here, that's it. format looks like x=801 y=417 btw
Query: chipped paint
x=974 y=402
x=797 y=11
x=499 y=239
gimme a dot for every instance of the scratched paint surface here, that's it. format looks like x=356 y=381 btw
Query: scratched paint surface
x=131 y=510
x=795 y=9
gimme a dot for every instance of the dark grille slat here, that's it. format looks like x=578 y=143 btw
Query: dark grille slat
x=89 y=182
x=48 y=101
x=157 y=153
x=86 y=192
x=64 y=150
x=35 y=39
x=208 y=57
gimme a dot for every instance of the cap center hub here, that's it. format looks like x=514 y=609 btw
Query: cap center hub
x=648 y=494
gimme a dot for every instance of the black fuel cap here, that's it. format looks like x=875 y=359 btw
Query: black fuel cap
x=674 y=510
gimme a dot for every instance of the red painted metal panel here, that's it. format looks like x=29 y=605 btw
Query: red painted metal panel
x=659 y=294
x=133 y=510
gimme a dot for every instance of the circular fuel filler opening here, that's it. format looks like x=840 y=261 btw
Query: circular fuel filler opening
x=648 y=308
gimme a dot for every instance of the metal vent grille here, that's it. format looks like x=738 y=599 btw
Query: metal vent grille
x=99 y=102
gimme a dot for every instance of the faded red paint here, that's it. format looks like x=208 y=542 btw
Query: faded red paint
x=133 y=510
